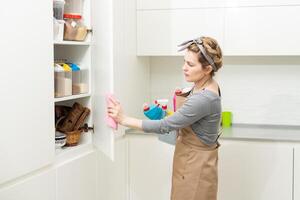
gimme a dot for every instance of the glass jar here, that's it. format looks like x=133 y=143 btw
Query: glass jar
x=58 y=30
x=58 y=9
x=74 y=28
x=62 y=80
x=73 y=7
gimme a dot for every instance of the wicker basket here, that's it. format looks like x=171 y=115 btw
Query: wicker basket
x=73 y=137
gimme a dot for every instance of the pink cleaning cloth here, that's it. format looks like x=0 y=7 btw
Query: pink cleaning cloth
x=110 y=121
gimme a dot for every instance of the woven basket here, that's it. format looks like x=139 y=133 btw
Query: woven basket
x=73 y=137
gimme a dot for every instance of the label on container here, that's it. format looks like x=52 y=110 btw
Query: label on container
x=73 y=24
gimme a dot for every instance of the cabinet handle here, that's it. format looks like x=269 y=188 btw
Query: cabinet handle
x=86 y=128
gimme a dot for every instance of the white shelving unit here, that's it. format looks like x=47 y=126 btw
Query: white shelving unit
x=80 y=53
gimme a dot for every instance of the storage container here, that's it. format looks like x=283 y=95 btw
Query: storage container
x=73 y=7
x=58 y=9
x=73 y=137
x=74 y=28
x=80 y=80
x=58 y=30
x=62 y=80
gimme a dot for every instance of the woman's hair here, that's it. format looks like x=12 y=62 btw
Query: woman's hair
x=213 y=50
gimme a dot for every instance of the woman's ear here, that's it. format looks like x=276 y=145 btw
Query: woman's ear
x=208 y=69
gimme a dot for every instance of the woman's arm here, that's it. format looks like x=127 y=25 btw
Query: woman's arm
x=132 y=123
x=193 y=109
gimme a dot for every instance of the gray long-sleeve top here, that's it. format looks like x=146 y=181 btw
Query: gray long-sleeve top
x=201 y=110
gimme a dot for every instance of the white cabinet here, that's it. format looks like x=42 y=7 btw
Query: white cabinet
x=262 y=31
x=243 y=28
x=193 y=4
x=150 y=168
x=95 y=54
x=26 y=79
x=247 y=170
x=160 y=31
x=77 y=179
x=114 y=67
x=113 y=176
x=102 y=72
x=297 y=173
x=27 y=95
x=255 y=170
x=40 y=186
x=239 y=3
x=177 y=4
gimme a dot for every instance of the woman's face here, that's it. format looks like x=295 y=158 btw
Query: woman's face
x=192 y=68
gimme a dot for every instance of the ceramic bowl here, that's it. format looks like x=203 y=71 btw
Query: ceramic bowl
x=60 y=139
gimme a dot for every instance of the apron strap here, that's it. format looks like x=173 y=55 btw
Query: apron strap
x=219 y=91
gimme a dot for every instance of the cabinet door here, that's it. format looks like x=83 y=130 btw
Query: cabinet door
x=236 y=3
x=102 y=81
x=262 y=31
x=26 y=79
x=113 y=175
x=150 y=168
x=177 y=4
x=37 y=187
x=255 y=170
x=160 y=31
x=77 y=179
x=297 y=173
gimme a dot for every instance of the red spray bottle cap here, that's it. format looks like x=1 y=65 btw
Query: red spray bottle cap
x=164 y=107
x=146 y=107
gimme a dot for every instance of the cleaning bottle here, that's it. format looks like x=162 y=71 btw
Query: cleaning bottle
x=163 y=103
x=153 y=112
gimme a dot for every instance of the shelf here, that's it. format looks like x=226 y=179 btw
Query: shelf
x=72 y=43
x=71 y=97
x=68 y=153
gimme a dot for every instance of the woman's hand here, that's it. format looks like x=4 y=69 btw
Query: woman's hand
x=115 y=111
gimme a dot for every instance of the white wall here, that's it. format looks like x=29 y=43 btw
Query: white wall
x=132 y=72
x=258 y=90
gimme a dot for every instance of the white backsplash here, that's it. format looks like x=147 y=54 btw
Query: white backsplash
x=257 y=90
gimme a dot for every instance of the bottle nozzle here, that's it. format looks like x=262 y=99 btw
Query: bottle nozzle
x=146 y=107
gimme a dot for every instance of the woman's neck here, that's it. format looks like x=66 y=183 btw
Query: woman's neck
x=199 y=85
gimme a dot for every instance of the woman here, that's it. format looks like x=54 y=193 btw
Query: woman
x=197 y=121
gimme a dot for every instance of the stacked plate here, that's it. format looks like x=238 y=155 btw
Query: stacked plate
x=60 y=139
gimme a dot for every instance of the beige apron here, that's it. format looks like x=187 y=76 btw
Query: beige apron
x=195 y=171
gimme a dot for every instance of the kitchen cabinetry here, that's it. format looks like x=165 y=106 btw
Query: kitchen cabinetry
x=177 y=4
x=297 y=173
x=100 y=74
x=260 y=31
x=247 y=169
x=77 y=178
x=113 y=65
x=28 y=96
x=255 y=170
x=240 y=3
x=243 y=28
x=113 y=176
x=160 y=31
x=26 y=78
x=150 y=168
x=40 y=186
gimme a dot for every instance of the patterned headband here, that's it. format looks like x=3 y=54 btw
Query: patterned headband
x=186 y=44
